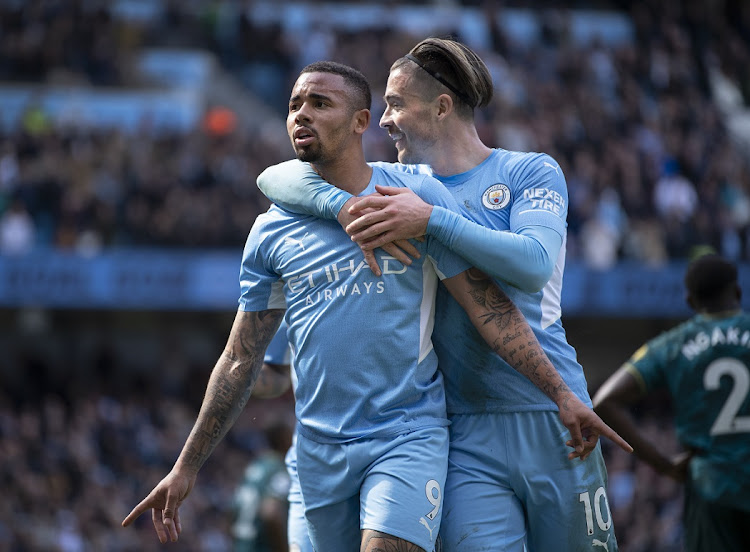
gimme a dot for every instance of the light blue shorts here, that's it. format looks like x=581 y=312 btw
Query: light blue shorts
x=510 y=484
x=392 y=485
x=299 y=541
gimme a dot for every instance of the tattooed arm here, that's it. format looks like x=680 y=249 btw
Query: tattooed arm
x=228 y=390
x=506 y=331
x=377 y=541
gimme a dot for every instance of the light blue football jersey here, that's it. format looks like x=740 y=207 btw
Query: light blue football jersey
x=361 y=344
x=507 y=191
x=278 y=351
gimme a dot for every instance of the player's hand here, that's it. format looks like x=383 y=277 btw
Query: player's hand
x=401 y=250
x=164 y=502
x=392 y=214
x=344 y=217
x=585 y=428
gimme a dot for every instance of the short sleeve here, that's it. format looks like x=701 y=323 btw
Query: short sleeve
x=540 y=193
x=447 y=264
x=647 y=365
x=260 y=285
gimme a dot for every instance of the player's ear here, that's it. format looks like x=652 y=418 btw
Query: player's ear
x=445 y=105
x=361 y=120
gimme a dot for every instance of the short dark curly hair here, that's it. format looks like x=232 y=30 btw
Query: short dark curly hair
x=362 y=97
x=709 y=276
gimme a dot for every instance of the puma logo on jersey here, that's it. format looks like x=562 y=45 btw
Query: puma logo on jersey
x=295 y=241
x=551 y=166
x=597 y=542
x=423 y=521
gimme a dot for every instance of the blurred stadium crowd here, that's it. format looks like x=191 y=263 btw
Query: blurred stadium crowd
x=74 y=465
x=640 y=128
x=637 y=127
x=81 y=446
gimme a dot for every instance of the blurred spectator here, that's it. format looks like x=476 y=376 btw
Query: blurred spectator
x=17 y=232
x=260 y=502
x=674 y=195
x=220 y=121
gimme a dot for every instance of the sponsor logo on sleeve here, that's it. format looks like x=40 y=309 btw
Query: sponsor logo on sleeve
x=545 y=199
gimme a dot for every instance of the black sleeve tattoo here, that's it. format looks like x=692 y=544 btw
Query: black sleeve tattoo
x=508 y=333
x=375 y=541
x=231 y=383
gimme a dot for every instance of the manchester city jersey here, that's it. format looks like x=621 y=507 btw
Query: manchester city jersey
x=361 y=344
x=278 y=351
x=705 y=365
x=507 y=191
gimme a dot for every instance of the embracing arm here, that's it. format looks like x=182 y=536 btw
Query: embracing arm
x=228 y=390
x=296 y=187
x=506 y=331
x=525 y=259
x=612 y=402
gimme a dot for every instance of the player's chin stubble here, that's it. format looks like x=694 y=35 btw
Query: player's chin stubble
x=308 y=155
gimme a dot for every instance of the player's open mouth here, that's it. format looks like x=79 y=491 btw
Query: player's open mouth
x=303 y=136
x=397 y=137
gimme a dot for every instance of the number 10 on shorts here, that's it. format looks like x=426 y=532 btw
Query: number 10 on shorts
x=599 y=495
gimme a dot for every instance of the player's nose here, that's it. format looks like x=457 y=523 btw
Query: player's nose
x=303 y=114
x=385 y=120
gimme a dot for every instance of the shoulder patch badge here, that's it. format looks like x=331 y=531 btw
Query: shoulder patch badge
x=496 y=196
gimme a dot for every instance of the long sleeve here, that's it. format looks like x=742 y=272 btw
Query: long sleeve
x=296 y=187
x=525 y=259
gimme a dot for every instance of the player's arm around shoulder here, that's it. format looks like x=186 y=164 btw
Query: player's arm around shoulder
x=396 y=213
x=295 y=186
x=400 y=211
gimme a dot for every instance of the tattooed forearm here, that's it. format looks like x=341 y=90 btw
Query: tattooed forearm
x=375 y=541
x=230 y=383
x=508 y=333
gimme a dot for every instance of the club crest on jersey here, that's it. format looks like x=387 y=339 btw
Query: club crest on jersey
x=496 y=196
